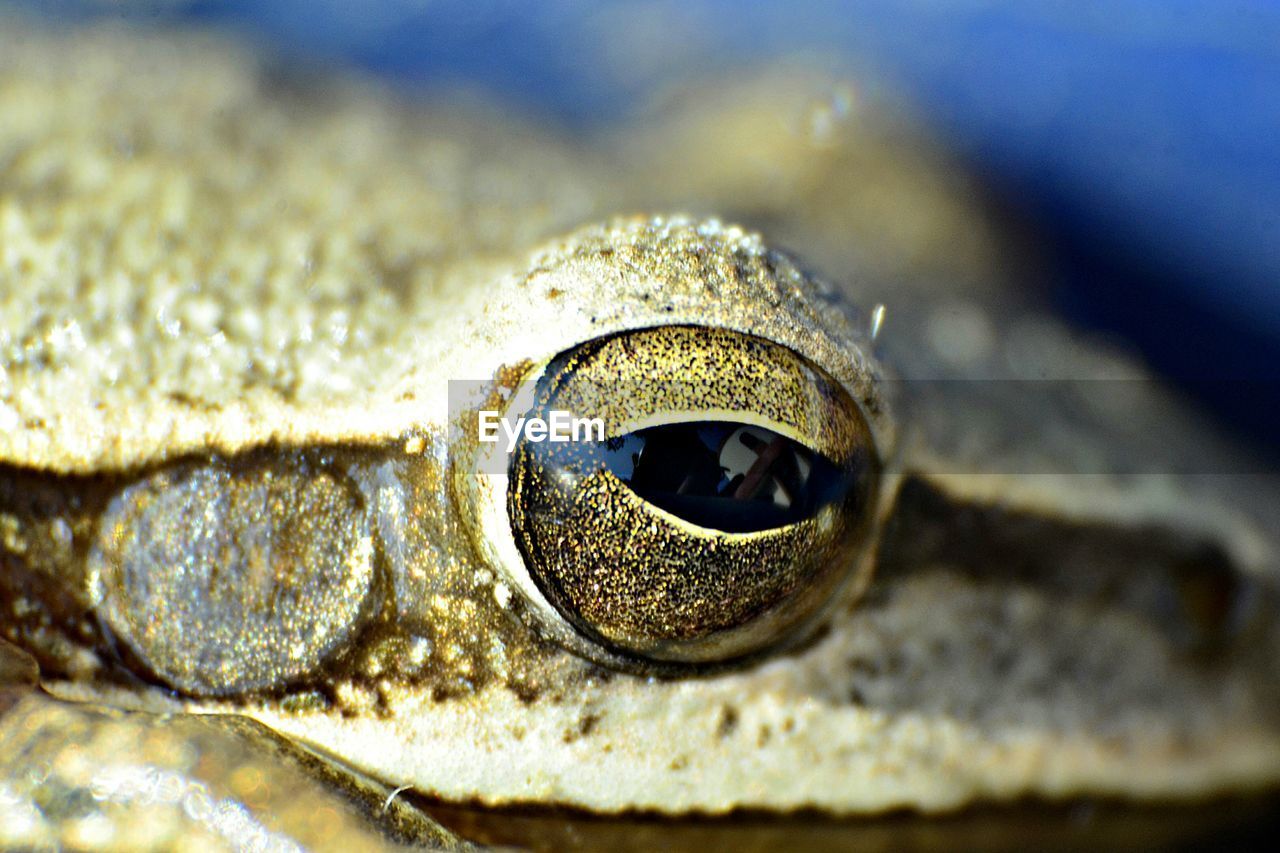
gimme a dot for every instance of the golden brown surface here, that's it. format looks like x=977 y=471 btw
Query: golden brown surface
x=163 y=208
x=202 y=266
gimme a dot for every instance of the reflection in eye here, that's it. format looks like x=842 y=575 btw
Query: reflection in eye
x=725 y=476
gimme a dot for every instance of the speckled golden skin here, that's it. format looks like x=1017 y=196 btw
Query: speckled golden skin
x=198 y=268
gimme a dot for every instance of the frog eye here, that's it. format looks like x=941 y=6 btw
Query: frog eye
x=717 y=509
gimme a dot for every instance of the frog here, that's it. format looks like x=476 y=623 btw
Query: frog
x=259 y=566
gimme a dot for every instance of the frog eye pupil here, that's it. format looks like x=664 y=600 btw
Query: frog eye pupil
x=726 y=476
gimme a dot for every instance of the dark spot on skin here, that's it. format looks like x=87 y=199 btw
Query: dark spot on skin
x=861 y=666
x=1205 y=594
x=789 y=725
x=728 y=721
x=554 y=293
x=586 y=725
x=1002 y=662
x=184 y=399
x=856 y=697
x=444 y=693
x=383 y=701
x=599 y=675
x=762 y=739
x=888 y=666
x=525 y=692
x=680 y=762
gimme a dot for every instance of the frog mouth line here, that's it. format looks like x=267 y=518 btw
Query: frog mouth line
x=1242 y=822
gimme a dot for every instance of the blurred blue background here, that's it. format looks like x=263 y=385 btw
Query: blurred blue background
x=1142 y=139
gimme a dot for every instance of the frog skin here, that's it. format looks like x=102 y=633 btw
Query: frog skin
x=232 y=307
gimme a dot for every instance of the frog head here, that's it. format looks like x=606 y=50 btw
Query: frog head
x=235 y=482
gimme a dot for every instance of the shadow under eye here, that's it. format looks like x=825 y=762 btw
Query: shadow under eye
x=732 y=477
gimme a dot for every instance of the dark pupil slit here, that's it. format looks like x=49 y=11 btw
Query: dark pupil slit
x=726 y=476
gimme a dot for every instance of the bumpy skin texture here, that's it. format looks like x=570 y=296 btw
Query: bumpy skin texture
x=160 y=220
x=197 y=260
